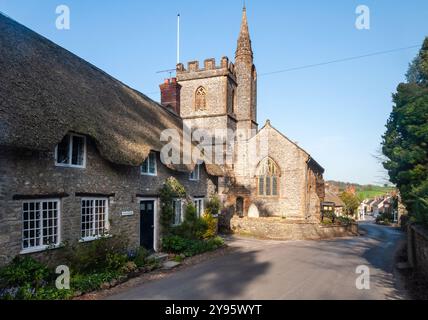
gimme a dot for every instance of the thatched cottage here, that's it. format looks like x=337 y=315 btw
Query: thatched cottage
x=79 y=151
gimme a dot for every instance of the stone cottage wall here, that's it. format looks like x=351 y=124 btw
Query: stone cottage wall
x=29 y=173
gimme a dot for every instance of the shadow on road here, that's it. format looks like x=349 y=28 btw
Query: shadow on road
x=213 y=279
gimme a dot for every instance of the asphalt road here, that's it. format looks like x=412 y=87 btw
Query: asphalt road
x=259 y=269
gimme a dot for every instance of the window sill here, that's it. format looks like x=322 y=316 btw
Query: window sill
x=39 y=249
x=69 y=166
x=149 y=174
x=89 y=239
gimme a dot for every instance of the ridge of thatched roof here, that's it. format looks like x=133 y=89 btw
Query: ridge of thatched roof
x=47 y=91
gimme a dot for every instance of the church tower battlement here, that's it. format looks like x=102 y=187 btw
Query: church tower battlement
x=219 y=97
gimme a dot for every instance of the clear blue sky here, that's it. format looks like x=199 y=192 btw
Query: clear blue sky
x=336 y=112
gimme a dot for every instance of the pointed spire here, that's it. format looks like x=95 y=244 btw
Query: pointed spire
x=244 y=42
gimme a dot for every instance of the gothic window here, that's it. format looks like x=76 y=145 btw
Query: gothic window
x=268 y=178
x=201 y=99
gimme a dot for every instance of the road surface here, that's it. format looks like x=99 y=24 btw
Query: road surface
x=259 y=269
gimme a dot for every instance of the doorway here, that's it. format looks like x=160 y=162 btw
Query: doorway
x=240 y=207
x=147 y=224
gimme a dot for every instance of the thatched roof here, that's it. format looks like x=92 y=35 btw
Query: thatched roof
x=46 y=92
x=332 y=197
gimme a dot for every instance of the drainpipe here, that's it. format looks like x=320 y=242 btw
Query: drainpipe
x=306 y=189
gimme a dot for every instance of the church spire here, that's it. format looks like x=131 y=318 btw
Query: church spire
x=244 y=42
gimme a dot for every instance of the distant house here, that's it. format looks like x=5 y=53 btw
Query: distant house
x=375 y=206
x=385 y=206
x=333 y=204
x=365 y=207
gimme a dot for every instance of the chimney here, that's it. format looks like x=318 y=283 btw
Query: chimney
x=170 y=95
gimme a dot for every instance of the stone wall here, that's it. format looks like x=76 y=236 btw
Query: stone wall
x=28 y=173
x=294 y=200
x=280 y=229
x=418 y=248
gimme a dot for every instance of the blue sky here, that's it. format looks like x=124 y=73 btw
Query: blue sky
x=336 y=112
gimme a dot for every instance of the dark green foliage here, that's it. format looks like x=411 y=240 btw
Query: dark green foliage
x=140 y=258
x=171 y=189
x=27 y=279
x=192 y=226
x=213 y=206
x=385 y=219
x=92 y=282
x=405 y=143
x=177 y=244
x=104 y=254
x=91 y=264
x=22 y=271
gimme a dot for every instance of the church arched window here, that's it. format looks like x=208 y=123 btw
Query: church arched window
x=201 y=98
x=268 y=178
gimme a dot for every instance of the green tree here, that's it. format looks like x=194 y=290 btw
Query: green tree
x=351 y=202
x=405 y=143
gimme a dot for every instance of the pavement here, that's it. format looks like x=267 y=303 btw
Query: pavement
x=265 y=269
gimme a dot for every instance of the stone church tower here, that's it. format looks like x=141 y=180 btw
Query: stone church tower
x=246 y=76
x=268 y=174
x=213 y=97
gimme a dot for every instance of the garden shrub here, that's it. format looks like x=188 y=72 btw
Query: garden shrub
x=345 y=220
x=91 y=282
x=177 y=244
x=211 y=224
x=24 y=271
x=140 y=258
x=106 y=253
x=213 y=206
x=27 y=279
x=192 y=227
x=170 y=190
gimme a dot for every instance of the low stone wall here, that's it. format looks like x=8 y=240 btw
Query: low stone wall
x=418 y=249
x=283 y=229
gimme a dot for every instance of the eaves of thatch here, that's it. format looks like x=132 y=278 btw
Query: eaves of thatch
x=46 y=92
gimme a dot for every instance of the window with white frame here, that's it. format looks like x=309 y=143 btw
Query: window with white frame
x=40 y=224
x=71 y=151
x=194 y=175
x=148 y=167
x=94 y=218
x=199 y=205
x=177 y=206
